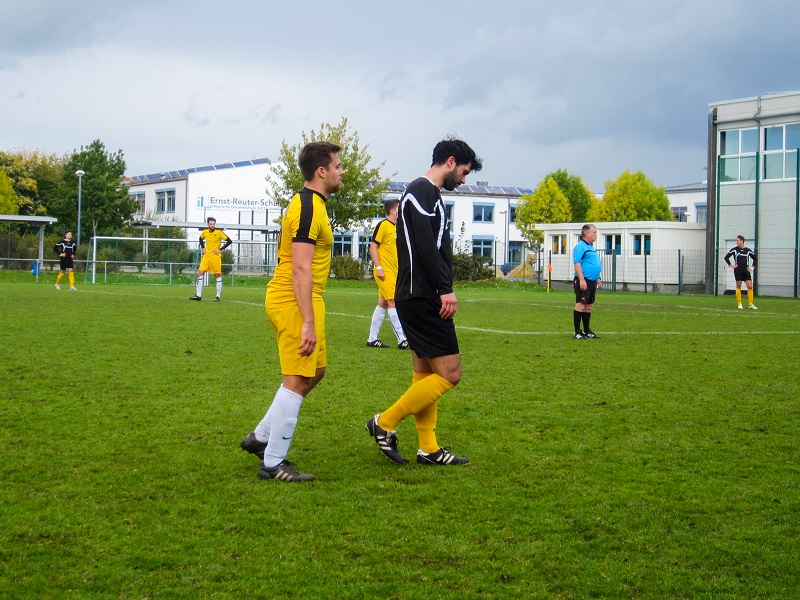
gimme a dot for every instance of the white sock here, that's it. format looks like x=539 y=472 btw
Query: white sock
x=377 y=320
x=281 y=420
x=199 y=286
x=398 y=328
x=219 y=285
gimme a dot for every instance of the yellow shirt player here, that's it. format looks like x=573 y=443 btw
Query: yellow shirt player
x=295 y=308
x=211 y=245
x=383 y=251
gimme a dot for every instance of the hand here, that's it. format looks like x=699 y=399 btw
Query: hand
x=583 y=285
x=381 y=275
x=217 y=251
x=598 y=283
x=308 y=340
x=449 y=306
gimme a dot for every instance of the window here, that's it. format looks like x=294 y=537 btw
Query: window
x=679 y=212
x=641 y=244
x=559 y=244
x=138 y=197
x=780 y=151
x=702 y=213
x=737 y=153
x=483 y=213
x=363 y=246
x=165 y=201
x=483 y=246
x=342 y=244
x=613 y=243
x=448 y=211
x=515 y=252
x=513 y=209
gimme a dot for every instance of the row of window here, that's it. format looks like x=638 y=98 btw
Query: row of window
x=640 y=244
x=165 y=201
x=343 y=244
x=739 y=149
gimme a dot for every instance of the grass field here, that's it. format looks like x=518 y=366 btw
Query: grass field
x=658 y=462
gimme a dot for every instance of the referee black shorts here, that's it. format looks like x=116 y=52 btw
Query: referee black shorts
x=429 y=335
x=584 y=296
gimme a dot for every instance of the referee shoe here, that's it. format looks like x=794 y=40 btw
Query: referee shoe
x=579 y=335
x=441 y=457
x=591 y=335
x=386 y=440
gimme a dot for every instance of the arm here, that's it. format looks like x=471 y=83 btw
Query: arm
x=228 y=242
x=727 y=259
x=373 y=253
x=579 y=274
x=302 y=257
x=202 y=245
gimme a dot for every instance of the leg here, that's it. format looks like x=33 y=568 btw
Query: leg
x=198 y=286
x=750 y=293
x=218 y=278
x=378 y=315
x=739 y=293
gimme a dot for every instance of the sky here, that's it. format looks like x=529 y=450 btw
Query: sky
x=593 y=87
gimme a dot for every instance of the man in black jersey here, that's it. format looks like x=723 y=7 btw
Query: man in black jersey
x=66 y=254
x=742 y=260
x=426 y=304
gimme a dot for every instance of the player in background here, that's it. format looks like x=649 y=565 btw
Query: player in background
x=66 y=249
x=742 y=260
x=426 y=304
x=383 y=251
x=587 y=279
x=211 y=242
x=296 y=310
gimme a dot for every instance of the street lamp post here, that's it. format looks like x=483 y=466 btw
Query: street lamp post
x=80 y=175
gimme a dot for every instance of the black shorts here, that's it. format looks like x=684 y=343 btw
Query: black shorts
x=584 y=296
x=66 y=263
x=741 y=275
x=429 y=335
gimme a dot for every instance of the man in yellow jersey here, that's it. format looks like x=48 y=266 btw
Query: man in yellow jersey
x=426 y=304
x=295 y=308
x=211 y=244
x=383 y=251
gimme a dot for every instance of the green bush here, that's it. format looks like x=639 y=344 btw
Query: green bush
x=347 y=267
x=471 y=267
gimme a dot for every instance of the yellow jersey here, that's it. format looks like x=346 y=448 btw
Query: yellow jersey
x=305 y=221
x=212 y=240
x=385 y=236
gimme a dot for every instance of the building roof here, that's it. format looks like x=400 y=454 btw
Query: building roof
x=183 y=173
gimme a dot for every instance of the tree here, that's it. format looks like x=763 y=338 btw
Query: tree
x=359 y=199
x=8 y=200
x=25 y=191
x=547 y=204
x=105 y=204
x=579 y=196
x=632 y=197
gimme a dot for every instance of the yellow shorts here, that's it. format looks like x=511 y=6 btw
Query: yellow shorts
x=286 y=321
x=211 y=263
x=386 y=287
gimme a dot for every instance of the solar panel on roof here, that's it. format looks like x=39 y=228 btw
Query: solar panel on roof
x=260 y=161
x=243 y=163
x=223 y=166
x=206 y=168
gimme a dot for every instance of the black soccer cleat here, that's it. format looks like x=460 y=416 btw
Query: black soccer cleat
x=579 y=335
x=403 y=345
x=253 y=446
x=442 y=457
x=377 y=344
x=592 y=335
x=386 y=440
x=216 y=299
x=198 y=298
x=285 y=471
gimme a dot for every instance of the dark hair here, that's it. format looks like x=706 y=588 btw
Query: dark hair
x=315 y=155
x=458 y=149
x=586 y=229
x=389 y=205
x=211 y=219
x=740 y=237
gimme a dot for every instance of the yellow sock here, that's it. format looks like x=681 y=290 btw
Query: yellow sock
x=738 y=296
x=71 y=279
x=419 y=396
x=426 y=427
x=750 y=297
x=58 y=279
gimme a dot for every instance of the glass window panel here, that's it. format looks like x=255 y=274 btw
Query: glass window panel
x=773 y=138
x=729 y=169
x=773 y=166
x=791 y=165
x=729 y=142
x=748 y=168
x=793 y=136
x=749 y=140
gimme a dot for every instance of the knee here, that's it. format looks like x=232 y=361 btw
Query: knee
x=453 y=376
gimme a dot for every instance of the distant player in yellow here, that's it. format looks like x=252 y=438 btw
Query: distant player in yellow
x=211 y=243
x=295 y=308
x=383 y=250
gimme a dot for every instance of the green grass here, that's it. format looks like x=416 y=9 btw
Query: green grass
x=660 y=461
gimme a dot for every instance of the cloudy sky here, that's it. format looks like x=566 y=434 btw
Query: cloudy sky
x=594 y=87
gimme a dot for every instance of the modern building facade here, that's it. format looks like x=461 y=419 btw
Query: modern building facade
x=753 y=166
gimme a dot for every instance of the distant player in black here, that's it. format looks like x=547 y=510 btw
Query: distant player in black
x=66 y=253
x=426 y=304
x=742 y=260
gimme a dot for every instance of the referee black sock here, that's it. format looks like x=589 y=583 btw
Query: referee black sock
x=586 y=317
x=576 y=319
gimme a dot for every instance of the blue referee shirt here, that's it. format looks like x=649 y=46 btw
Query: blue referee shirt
x=589 y=259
